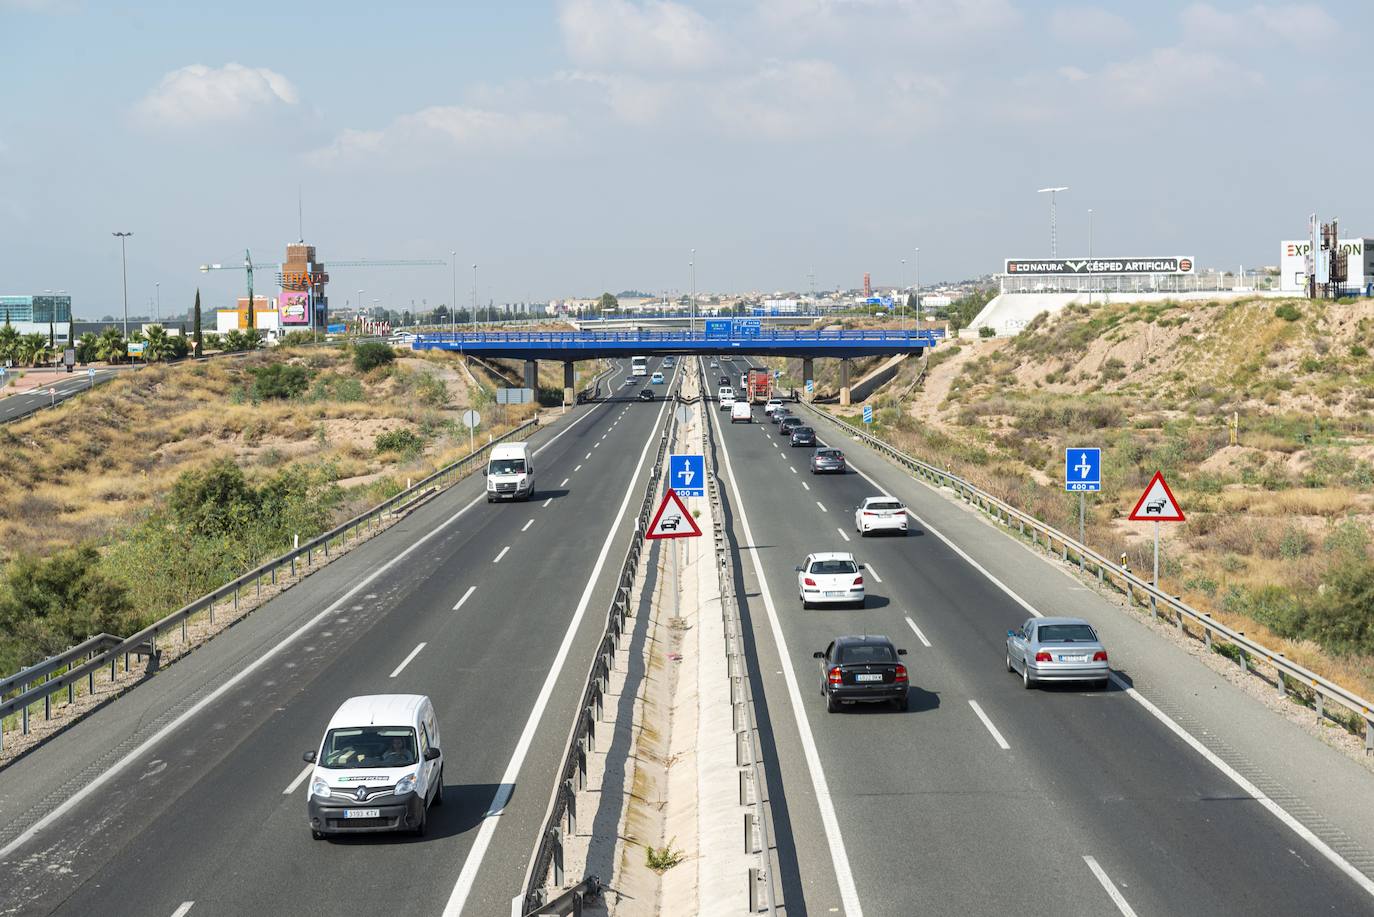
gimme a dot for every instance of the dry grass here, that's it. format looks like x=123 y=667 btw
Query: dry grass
x=1329 y=503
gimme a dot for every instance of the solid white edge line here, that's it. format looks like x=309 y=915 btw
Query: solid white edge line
x=1112 y=891
x=184 y=909
x=300 y=778
x=988 y=723
x=842 y=532
x=919 y=636
x=498 y=557
x=468 y=875
x=526 y=526
x=406 y=661
x=109 y=773
x=869 y=568
x=466 y=595
x=1298 y=828
x=839 y=858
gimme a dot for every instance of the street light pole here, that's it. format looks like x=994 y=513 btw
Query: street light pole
x=124 y=269
x=1090 y=255
x=901 y=288
x=920 y=312
x=158 y=286
x=692 y=320
x=474 y=297
x=1054 y=246
x=453 y=301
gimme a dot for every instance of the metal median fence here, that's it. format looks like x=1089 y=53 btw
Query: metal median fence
x=1288 y=675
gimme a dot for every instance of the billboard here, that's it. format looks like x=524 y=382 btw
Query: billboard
x=1086 y=267
x=1293 y=265
x=295 y=307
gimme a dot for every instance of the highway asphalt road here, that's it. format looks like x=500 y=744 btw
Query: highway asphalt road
x=984 y=798
x=64 y=386
x=491 y=610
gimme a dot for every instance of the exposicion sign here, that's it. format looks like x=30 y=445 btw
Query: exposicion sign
x=1088 y=266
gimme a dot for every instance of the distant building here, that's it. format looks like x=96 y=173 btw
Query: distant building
x=265 y=318
x=868 y=285
x=33 y=314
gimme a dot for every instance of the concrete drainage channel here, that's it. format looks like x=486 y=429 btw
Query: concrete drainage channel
x=673 y=816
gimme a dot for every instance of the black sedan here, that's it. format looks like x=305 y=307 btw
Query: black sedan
x=803 y=436
x=862 y=670
x=827 y=461
x=646 y=394
x=788 y=424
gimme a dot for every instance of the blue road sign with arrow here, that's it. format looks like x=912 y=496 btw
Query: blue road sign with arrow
x=1083 y=469
x=687 y=475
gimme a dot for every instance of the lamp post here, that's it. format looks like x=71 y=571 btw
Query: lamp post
x=692 y=264
x=901 y=288
x=1090 y=252
x=453 y=300
x=1054 y=247
x=158 y=286
x=920 y=311
x=474 y=297
x=124 y=270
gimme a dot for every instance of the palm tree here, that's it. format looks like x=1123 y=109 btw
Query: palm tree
x=33 y=348
x=110 y=346
x=158 y=345
x=86 y=348
x=9 y=341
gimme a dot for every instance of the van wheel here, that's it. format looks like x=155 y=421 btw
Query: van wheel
x=316 y=834
x=439 y=791
x=491 y=499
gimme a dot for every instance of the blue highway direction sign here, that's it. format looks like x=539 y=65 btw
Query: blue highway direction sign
x=1083 y=469
x=687 y=475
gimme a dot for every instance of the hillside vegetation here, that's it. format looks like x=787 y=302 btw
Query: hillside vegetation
x=132 y=499
x=1278 y=537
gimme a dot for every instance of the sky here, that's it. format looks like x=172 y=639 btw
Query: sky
x=573 y=146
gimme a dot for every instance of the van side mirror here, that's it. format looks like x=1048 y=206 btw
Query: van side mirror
x=431 y=753
x=797 y=568
x=308 y=757
x=819 y=654
x=901 y=652
x=484 y=472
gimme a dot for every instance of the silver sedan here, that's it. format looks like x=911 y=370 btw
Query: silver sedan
x=1057 y=649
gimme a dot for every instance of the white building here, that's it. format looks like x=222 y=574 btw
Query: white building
x=1293 y=266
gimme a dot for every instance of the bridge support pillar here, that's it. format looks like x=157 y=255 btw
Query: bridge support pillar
x=532 y=377
x=569 y=383
x=807 y=373
x=844 y=383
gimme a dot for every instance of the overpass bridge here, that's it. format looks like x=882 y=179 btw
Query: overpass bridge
x=568 y=347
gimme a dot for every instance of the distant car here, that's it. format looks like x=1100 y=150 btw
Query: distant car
x=880 y=514
x=803 y=436
x=629 y=380
x=668 y=361
x=646 y=394
x=741 y=413
x=772 y=405
x=724 y=381
x=827 y=461
x=714 y=364
x=788 y=424
x=656 y=379
x=1057 y=649
x=830 y=578
x=863 y=670
x=778 y=414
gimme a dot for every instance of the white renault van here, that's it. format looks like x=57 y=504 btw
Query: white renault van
x=510 y=472
x=378 y=767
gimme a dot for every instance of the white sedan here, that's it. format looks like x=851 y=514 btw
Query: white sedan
x=880 y=514
x=830 y=578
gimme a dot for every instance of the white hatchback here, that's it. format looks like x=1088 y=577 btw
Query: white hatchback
x=880 y=514
x=830 y=578
x=771 y=405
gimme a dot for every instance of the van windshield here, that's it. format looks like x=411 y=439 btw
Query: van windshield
x=507 y=466
x=369 y=746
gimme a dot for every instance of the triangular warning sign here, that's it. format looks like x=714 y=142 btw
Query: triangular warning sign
x=1157 y=503
x=672 y=520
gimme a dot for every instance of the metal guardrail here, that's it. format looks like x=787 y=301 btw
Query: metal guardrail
x=748 y=757
x=1288 y=674
x=696 y=337
x=561 y=818
x=40 y=681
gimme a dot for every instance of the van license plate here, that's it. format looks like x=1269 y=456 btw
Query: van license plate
x=362 y=813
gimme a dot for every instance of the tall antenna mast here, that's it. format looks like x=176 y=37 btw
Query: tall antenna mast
x=300 y=215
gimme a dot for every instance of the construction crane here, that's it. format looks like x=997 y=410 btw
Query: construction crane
x=246 y=267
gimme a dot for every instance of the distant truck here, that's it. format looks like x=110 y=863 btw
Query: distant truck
x=758 y=386
x=509 y=472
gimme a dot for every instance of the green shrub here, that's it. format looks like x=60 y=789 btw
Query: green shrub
x=986 y=331
x=50 y=603
x=368 y=356
x=1288 y=312
x=1294 y=543
x=331 y=387
x=279 y=381
x=296 y=338
x=407 y=442
x=1358 y=350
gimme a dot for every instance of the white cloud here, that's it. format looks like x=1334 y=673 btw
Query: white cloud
x=442 y=130
x=784 y=100
x=199 y=95
x=632 y=99
x=1089 y=25
x=932 y=22
x=1306 y=25
x=1174 y=79
x=654 y=35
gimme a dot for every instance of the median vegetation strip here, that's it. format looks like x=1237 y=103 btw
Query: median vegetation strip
x=128 y=503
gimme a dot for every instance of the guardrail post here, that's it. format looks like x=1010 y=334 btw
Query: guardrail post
x=1278 y=672
x=582 y=764
x=572 y=807
x=1368 y=734
x=25 y=716
x=183 y=640
x=274 y=574
x=1320 y=702
x=1206 y=632
x=749 y=845
x=1244 y=657
x=556 y=835
x=293 y=564
x=236 y=600
x=754 y=881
